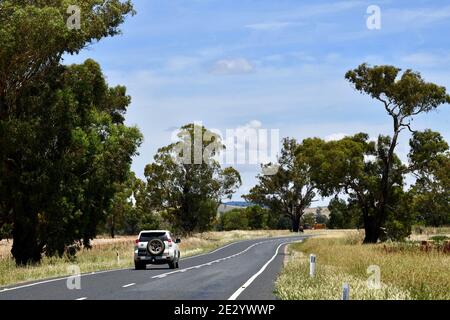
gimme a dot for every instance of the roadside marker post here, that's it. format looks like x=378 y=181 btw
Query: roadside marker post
x=312 y=265
x=345 y=291
x=118 y=259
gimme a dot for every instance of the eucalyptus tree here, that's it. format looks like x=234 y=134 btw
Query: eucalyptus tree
x=186 y=183
x=63 y=143
x=429 y=159
x=290 y=190
x=403 y=96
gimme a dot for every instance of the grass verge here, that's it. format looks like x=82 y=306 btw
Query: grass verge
x=406 y=271
x=103 y=255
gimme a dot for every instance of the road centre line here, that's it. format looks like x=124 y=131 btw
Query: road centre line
x=4 y=290
x=211 y=262
x=99 y=272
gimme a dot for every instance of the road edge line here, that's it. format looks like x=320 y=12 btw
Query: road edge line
x=241 y=289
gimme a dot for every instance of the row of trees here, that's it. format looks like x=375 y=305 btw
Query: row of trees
x=252 y=218
x=369 y=173
x=64 y=147
x=176 y=193
x=185 y=196
x=65 y=152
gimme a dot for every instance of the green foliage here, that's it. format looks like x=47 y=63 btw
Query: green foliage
x=403 y=96
x=6 y=231
x=278 y=221
x=370 y=173
x=354 y=165
x=320 y=217
x=430 y=163
x=122 y=216
x=63 y=144
x=343 y=215
x=235 y=219
x=440 y=238
x=248 y=218
x=257 y=217
x=34 y=36
x=62 y=160
x=186 y=184
x=308 y=219
x=289 y=191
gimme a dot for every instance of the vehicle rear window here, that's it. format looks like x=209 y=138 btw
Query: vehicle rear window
x=145 y=236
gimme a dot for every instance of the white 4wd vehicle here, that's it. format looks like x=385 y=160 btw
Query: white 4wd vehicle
x=156 y=247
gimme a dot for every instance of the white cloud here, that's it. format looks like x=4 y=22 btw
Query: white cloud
x=423 y=59
x=181 y=62
x=270 y=26
x=232 y=66
x=419 y=16
x=253 y=124
x=335 y=136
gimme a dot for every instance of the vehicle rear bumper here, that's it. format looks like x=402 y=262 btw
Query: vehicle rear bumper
x=153 y=259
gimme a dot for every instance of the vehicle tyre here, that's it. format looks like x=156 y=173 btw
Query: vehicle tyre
x=155 y=247
x=172 y=264
x=139 y=266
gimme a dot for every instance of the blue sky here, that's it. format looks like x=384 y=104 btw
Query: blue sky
x=269 y=64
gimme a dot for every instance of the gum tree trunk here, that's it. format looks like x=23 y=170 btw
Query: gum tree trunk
x=26 y=248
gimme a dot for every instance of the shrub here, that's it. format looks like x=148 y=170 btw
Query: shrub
x=439 y=238
x=235 y=219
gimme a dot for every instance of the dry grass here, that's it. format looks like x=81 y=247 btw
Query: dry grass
x=406 y=271
x=103 y=255
x=420 y=234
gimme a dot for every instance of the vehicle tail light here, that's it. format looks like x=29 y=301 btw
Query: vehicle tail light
x=136 y=241
x=170 y=242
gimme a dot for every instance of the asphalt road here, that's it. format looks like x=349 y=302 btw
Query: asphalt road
x=242 y=270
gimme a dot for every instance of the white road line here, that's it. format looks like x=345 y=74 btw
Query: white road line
x=82 y=298
x=214 y=251
x=252 y=278
x=106 y=271
x=211 y=262
x=205 y=264
x=128 y=285
x=56 y=279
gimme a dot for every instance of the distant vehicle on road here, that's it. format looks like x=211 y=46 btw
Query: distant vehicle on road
x=156 y=247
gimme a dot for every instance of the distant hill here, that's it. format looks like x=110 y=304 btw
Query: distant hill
x=239 y=203
x=230 y=205
x=323 y=210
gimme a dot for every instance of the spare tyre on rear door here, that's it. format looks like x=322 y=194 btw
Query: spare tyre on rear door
x=155 y=246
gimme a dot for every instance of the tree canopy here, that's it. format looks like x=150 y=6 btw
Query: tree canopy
x=290 y=190
x=185 y=190
x=403 y=97
x=430 y=163
x=34 y=37
x=63 y=144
